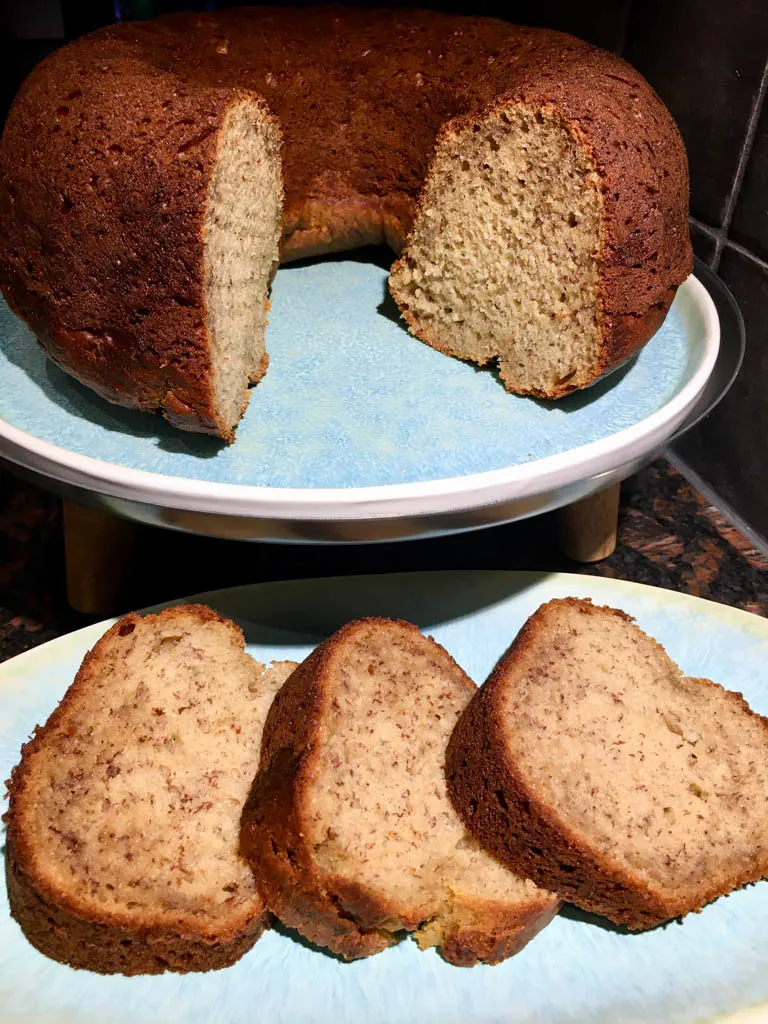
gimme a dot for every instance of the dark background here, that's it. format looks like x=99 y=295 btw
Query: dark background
x=709 y=62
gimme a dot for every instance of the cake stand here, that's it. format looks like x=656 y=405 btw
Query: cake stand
x=360 y=433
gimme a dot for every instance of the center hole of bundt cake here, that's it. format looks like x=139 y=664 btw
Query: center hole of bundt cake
x=242 y=232
x=502 y=260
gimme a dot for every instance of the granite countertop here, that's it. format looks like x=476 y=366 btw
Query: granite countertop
x=669 y=536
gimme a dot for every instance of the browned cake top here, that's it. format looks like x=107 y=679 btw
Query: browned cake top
x=108 y=152
x=360 y=97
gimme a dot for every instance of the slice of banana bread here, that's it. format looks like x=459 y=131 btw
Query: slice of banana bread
x=589 y=763
x=124 y=812
x=349 y=828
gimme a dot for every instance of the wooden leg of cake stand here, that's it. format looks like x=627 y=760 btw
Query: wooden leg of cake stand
x=588 y=527
x=100 y=551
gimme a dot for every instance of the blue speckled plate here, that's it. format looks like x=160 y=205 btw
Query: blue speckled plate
x=356 y=413
x=711 y=967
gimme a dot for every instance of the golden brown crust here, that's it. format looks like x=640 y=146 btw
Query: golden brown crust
x=63 y=923
x=262 y=369
x=622 y=339
x=108 y=150
x=509 y=820
x=327 y=910
x=105 y=948
x=330 y=910
x=102 y=254
x=493 y=932
x=636 y=150
x=315 y=228
x=642 y=165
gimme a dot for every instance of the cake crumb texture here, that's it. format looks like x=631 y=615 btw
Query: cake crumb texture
x=125 y=808
x=591 y=764
x=349 y=827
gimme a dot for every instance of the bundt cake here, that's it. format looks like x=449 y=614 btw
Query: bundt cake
x=153 y=174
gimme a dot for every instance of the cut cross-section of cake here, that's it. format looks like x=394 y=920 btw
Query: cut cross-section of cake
x=589 y=763
x=504 y=258
x=122 y=848
x=349 y=828
x=241 y=235
x=160 y=227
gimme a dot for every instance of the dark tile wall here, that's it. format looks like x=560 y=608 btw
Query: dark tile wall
x=706 y=60
x=709 y=62
x=749 y=226
x=729 y=449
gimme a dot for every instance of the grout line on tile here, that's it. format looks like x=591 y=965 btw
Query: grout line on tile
x=728 y=243
x=741 y=167
x=710 y=494
x=706 y=228
x=742 y=250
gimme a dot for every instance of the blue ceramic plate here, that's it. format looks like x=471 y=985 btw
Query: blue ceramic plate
x=710 y=967
x=355 y=411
